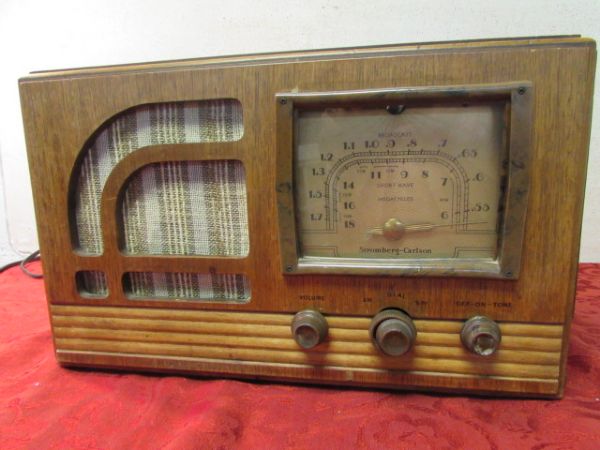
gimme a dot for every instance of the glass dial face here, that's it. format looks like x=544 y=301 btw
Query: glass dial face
x=400 y=182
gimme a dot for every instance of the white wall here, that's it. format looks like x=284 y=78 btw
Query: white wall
x=55 y=34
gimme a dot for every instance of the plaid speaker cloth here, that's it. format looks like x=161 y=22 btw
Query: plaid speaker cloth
x=184 y=208
x=187 y=208
x=188 y=286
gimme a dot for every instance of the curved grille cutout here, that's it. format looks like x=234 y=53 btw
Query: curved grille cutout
x=134 y=129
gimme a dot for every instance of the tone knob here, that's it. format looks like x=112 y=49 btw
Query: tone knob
x=392 y=332
x=481 y=335
x=309 y=328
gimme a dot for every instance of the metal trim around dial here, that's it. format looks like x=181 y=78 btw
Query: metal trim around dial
x=512 y=222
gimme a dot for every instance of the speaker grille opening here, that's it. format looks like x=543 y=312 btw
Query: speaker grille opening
x=211 y=287
x=136 y=129
x=91 y=283
x=186 y=208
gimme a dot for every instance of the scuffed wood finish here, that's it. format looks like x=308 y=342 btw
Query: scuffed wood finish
x=62 y=109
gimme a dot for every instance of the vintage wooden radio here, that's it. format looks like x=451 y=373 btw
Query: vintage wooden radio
x=397 y=217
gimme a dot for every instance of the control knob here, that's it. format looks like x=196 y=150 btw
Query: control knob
x=392 y=332
x=481 y=335
x=309 y=328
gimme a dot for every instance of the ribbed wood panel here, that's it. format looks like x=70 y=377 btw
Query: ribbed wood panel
x=527 y=353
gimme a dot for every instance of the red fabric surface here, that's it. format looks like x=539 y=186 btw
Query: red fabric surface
x=46 y=406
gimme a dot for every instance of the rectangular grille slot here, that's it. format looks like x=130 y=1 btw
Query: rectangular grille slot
x=211 y=287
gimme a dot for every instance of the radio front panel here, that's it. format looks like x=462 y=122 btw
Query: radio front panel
x=399 y=217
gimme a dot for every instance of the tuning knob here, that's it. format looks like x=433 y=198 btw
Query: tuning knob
x=309 y=328
x=481 y=335
x=392 y=332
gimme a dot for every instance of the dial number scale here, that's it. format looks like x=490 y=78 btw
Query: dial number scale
x=400 y=182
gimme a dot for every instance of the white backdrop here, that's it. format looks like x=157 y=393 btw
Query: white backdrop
x=54 y=34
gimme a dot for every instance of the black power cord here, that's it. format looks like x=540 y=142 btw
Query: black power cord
x=23 y=265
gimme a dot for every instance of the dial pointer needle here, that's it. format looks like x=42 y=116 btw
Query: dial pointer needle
x=393 y=229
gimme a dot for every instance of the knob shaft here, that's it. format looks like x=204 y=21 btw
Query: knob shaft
x=309 y=328
x=393 y=332
x=481 y=335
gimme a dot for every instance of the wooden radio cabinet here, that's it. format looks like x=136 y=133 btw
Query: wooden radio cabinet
x=398 y=217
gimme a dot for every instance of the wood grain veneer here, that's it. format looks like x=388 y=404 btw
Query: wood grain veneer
x=529 y=354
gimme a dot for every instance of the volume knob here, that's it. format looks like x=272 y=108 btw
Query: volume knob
x=309 y=328
x=392 y=332
x=481 y=335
